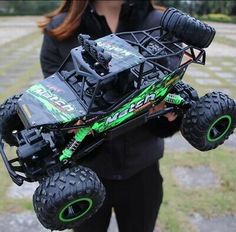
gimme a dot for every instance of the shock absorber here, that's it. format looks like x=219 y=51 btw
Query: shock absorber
x=74 y=143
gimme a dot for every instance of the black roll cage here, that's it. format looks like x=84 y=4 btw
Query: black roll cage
x=170 y=46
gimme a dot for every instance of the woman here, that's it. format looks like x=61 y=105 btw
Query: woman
x=127 y=165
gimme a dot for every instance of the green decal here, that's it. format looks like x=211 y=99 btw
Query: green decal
x=81 y=134
x=155 y=93
x=57 y=107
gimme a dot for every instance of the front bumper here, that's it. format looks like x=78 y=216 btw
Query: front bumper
x=12 y=170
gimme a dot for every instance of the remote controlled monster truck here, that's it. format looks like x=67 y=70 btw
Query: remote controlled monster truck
x=104 y=88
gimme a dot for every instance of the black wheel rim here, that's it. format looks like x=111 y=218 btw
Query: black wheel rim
x=219 y=128
x=75 y=210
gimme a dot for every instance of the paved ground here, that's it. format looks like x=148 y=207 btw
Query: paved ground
x=19 y=68
x=195 y=177
x=14 y=28
x=225 y=223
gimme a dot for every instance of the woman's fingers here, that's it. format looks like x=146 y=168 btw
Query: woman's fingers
x=76 y=124
x=171 y=116
x=157 y=108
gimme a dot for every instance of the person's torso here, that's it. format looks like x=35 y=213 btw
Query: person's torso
x=127 y=154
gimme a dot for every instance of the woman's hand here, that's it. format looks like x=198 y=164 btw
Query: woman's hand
x=170 y=116
x=79 y=122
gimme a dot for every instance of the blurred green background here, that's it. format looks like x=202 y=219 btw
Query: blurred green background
x=210 y=10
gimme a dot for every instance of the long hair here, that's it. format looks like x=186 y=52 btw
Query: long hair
x=74 y=10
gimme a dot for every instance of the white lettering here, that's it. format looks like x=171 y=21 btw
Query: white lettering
x=55 y=99
x=149 y=98
x=112 y=118
x=123 y=113
x=139 y=104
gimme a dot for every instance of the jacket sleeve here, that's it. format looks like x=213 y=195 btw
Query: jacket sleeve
x=50 y=58
x=163 y=128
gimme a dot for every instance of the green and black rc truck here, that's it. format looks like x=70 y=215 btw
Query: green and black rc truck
x=108 y=86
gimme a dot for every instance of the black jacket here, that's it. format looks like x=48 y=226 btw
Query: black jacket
x=125 y=155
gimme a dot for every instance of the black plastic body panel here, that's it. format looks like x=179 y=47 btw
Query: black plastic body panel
x=50 y=101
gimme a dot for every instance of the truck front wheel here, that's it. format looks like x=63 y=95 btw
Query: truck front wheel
x=9 y=120
x=68 y=198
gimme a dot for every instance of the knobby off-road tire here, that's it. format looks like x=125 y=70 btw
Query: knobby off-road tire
x=187 y=29
x=210 y=121
x=68 y=198
x=9 y=120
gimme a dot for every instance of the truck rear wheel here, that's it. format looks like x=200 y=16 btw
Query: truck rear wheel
x=209 y=122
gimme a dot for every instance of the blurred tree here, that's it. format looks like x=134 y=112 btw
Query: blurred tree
x=169 y=3
x=233 y=11
x=193 y=7
x=200 y=7
x=233 y=8
x=30 y=7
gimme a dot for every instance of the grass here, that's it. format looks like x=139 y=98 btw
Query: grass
x=13 y=46
x=222 y=18
x=23 y=77
x=9 y=204
x=179 y=203
x=216 y=62
x=216 y=75
x=22 y=82
x=223 y=40
x=10 y=65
